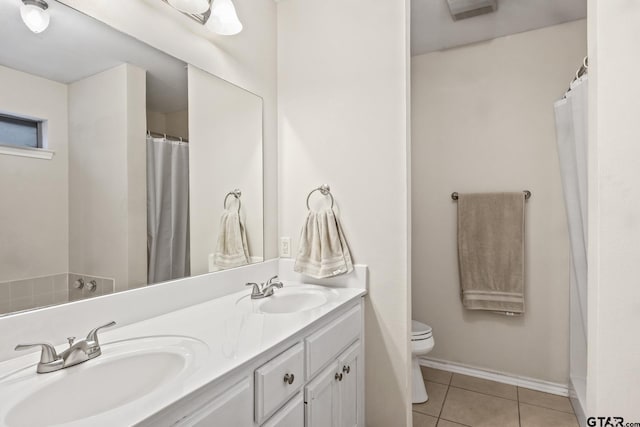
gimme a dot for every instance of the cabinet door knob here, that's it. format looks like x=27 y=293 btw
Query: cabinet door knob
x=338 y=377
x=346 y=369
x=288 y=378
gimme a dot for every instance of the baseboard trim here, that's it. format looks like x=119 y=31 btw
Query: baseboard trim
x=501 y=377
x=577 y=404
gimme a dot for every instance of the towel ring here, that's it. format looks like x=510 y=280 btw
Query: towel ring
x=235 y=193
x=325 y=190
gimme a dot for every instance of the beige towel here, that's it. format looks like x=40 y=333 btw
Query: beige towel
x=491 y=251
x=232 y=249
x=323 y=251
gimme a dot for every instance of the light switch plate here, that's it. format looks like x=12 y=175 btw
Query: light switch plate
x=285 y=247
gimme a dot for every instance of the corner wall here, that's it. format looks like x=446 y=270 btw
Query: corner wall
x=614 y=210
x=107 y=176
x=483 y=120
x=343 y=114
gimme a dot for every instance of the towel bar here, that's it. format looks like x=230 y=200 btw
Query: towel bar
x=527 y=195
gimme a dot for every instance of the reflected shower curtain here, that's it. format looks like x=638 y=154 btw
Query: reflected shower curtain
x=571 y=135
x=167 y=210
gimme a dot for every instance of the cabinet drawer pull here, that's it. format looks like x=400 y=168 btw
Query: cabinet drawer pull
x=338 y=377
x=288 y=378
x=346 y=369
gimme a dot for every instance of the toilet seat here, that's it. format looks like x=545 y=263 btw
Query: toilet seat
x=420 y=331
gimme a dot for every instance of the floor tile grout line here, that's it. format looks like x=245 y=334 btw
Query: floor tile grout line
x=443 y=402
x=518 y=403
x=545 y=407
x=455 y=422
x=437 y=382
x=483 y=393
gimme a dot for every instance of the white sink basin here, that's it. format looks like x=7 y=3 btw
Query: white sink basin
x=125 y=372
x=287 y=300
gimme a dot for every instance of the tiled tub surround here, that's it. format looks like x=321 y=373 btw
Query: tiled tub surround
x=35 y=292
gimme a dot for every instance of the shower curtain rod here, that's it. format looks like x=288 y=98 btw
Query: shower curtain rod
x=167 y=137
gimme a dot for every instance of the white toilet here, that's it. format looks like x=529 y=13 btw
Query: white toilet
x=421 y=343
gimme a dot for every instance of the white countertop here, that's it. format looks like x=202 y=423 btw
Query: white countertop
x=233 y=337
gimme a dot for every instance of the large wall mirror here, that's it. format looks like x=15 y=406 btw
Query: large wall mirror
x=120 y=166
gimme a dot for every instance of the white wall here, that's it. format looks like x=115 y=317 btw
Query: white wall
x=107 y=176
x=225 y=152
x=614 y=209
x=177 y=123
x=247 y=59
x=343 y=113
x=174 y=124
x=34 y=192
x=483 y=121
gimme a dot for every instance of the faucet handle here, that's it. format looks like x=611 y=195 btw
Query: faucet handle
x=93 y=335
x=48 y=354
x=272 y=279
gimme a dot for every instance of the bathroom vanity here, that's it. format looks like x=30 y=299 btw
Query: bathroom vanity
x=293 y=359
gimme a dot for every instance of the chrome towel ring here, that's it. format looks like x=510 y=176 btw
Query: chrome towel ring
x=325 y=190
x=235 y=193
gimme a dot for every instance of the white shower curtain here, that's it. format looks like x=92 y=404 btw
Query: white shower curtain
x=167 y=210
x=571 y=134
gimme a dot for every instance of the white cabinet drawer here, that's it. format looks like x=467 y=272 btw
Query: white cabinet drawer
x=271 y=388
x=292 y=415
x=231 y=408
x=323 y=346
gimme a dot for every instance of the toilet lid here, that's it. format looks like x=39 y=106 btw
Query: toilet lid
x=420 y=330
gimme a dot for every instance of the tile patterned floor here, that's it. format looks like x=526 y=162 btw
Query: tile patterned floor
x=458 y=400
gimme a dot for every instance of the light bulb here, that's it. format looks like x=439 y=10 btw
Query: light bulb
x=35 y=15
x=190 y=6
x=224 y=19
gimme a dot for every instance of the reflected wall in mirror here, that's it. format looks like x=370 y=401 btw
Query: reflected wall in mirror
x=115 y=160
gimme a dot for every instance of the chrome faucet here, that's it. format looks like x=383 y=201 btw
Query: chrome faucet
x=78 y=352
x=265 y=290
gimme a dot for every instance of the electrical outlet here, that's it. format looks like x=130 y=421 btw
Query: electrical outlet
x=285 y=247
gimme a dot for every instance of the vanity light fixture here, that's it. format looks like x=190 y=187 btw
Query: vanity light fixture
x=219 y=16
x=190 y=6
x=223 y=18
x=35 y=15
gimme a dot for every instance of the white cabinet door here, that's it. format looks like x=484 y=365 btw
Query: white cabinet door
x=321 y=399
x=232 y=408
x=291 y=415
x=350 y=387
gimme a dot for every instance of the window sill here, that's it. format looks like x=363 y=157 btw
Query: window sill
x=35 y=153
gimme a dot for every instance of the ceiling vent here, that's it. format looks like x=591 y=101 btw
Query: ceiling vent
x=462 y=9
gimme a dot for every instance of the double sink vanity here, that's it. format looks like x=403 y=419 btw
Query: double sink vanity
x=288 y=355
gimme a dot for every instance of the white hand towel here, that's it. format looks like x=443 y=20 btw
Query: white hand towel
x=323 y=251
x=232 y=249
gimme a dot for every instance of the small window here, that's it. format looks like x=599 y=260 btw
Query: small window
x=20 y=132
